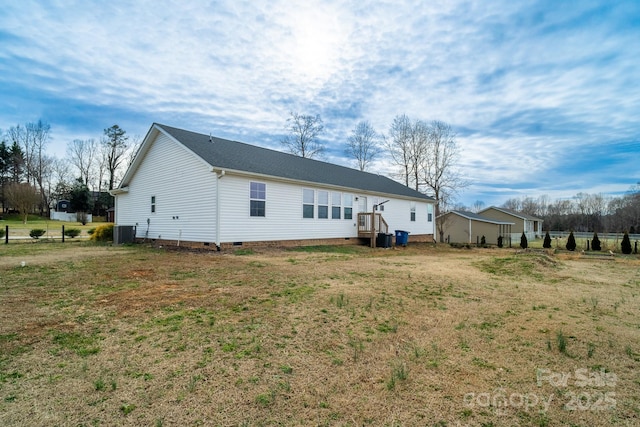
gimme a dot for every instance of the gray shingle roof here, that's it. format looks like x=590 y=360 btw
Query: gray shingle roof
x=233 y=155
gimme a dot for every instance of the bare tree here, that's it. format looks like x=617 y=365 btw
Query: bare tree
x=82 y=154
x=363 y=144
x=132 y=152
x=33 y=139
x=439 y=170
x=115 y=147
x=22 y=196
x=302 y=139
x=478 y=205
x=399 y=145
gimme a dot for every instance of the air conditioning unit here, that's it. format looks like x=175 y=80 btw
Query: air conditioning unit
x=124 y=234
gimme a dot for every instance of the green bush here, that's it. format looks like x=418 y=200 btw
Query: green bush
x=500 y=244
x=524 y=244
x=1 y=233
x=72 y=232
x=625 y=245
x=36 y=233
x=595 y=243
x=571 y=242
x=483 y=241
x=91 y=231
x=103 y=233
x=547 y=241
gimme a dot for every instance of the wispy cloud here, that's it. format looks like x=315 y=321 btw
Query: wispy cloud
x=542 y=94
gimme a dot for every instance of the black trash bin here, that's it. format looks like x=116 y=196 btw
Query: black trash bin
x=384 y=240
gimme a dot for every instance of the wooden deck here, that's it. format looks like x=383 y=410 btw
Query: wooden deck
x=370 y=224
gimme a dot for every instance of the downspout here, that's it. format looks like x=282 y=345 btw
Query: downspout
x=469 y=231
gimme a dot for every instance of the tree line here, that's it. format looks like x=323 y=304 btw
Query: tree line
x=425 y=154
x=584 y=212
x=31 y=179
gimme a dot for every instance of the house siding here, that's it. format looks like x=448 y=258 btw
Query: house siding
x=520 y=224
x=284 y=220
x=457 y=230
x=184 y=190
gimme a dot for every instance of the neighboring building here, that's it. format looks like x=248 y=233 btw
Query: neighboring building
x=531 y=225
x=469 y=227
x=194 y=189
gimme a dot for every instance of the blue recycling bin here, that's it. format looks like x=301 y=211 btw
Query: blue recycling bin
x=402 y=237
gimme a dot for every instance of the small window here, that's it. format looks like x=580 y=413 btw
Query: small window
x=336 y=202
x=308 y=200
x=430 y=212
x=348 y=206
x=153 y=204
x=257 y=199
x=413 y=211
x=323 y=204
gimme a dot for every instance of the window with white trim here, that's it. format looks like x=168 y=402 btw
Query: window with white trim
x=429 y=212
x=257 y=199
x=336 y=203
x=348 y=206
x=308 y=201
x=323 y=204
x=413 y=211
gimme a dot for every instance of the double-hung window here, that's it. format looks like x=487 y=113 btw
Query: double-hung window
x=413 y=211
x=258 y=199
x=153 y=204
x=348 y=206
x=323 y=204
x=336 y=202
x=308 y=201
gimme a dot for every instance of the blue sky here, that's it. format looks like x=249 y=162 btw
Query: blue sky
x=544 y=95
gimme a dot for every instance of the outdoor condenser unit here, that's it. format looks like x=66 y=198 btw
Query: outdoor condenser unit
x=124 y=234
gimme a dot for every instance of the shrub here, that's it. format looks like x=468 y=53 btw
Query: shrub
x=499 y=241
x=103 y=233
x=547 y=241
x=595 y=243
x=524 y=244
x=1 y=233
x=571 y=242
x=625 y=245
x=36 y=233
x=483 y=241
x=72 y=232
x=91 y=231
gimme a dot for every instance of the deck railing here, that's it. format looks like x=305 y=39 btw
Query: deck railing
x=365 y=222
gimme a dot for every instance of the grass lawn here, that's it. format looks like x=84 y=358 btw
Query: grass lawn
x=424 y=335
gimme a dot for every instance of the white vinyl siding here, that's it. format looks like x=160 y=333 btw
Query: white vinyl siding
x=184 y=190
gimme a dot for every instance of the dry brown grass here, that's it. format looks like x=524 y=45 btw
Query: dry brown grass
x=420 y=336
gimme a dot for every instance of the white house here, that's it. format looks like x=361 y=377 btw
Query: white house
x=192 y=189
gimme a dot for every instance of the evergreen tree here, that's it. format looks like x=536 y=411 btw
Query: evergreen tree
x=595 y=243
x=80 y=200
x=547 y=241
x=625 y=245
x=524 y=244
x=571 y=242
x=500 y=241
